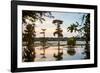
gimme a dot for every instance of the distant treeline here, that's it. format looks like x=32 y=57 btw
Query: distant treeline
x=56 y=39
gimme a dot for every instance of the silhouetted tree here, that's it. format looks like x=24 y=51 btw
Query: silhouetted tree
x=35 y=15
x=73 y=27
x=85 y=30
x=28 y=19
x=60 y=35
x=28 y=38
x=86 y=35
x=43 y=42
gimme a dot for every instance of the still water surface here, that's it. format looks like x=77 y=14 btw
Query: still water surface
x=49 y=53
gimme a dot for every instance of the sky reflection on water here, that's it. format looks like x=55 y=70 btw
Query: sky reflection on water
x=49 y=52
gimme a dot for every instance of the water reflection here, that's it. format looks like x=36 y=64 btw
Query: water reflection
x=87 y=51
x=71 y=51
x=58 y=56
x=28 y=55
x=53 y=54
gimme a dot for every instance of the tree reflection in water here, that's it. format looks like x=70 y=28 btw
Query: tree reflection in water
x=87 y=51
x=71 y=51
x=58 y=56
x=43 y=43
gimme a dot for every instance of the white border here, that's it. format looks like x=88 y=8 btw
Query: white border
x=53 y=63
